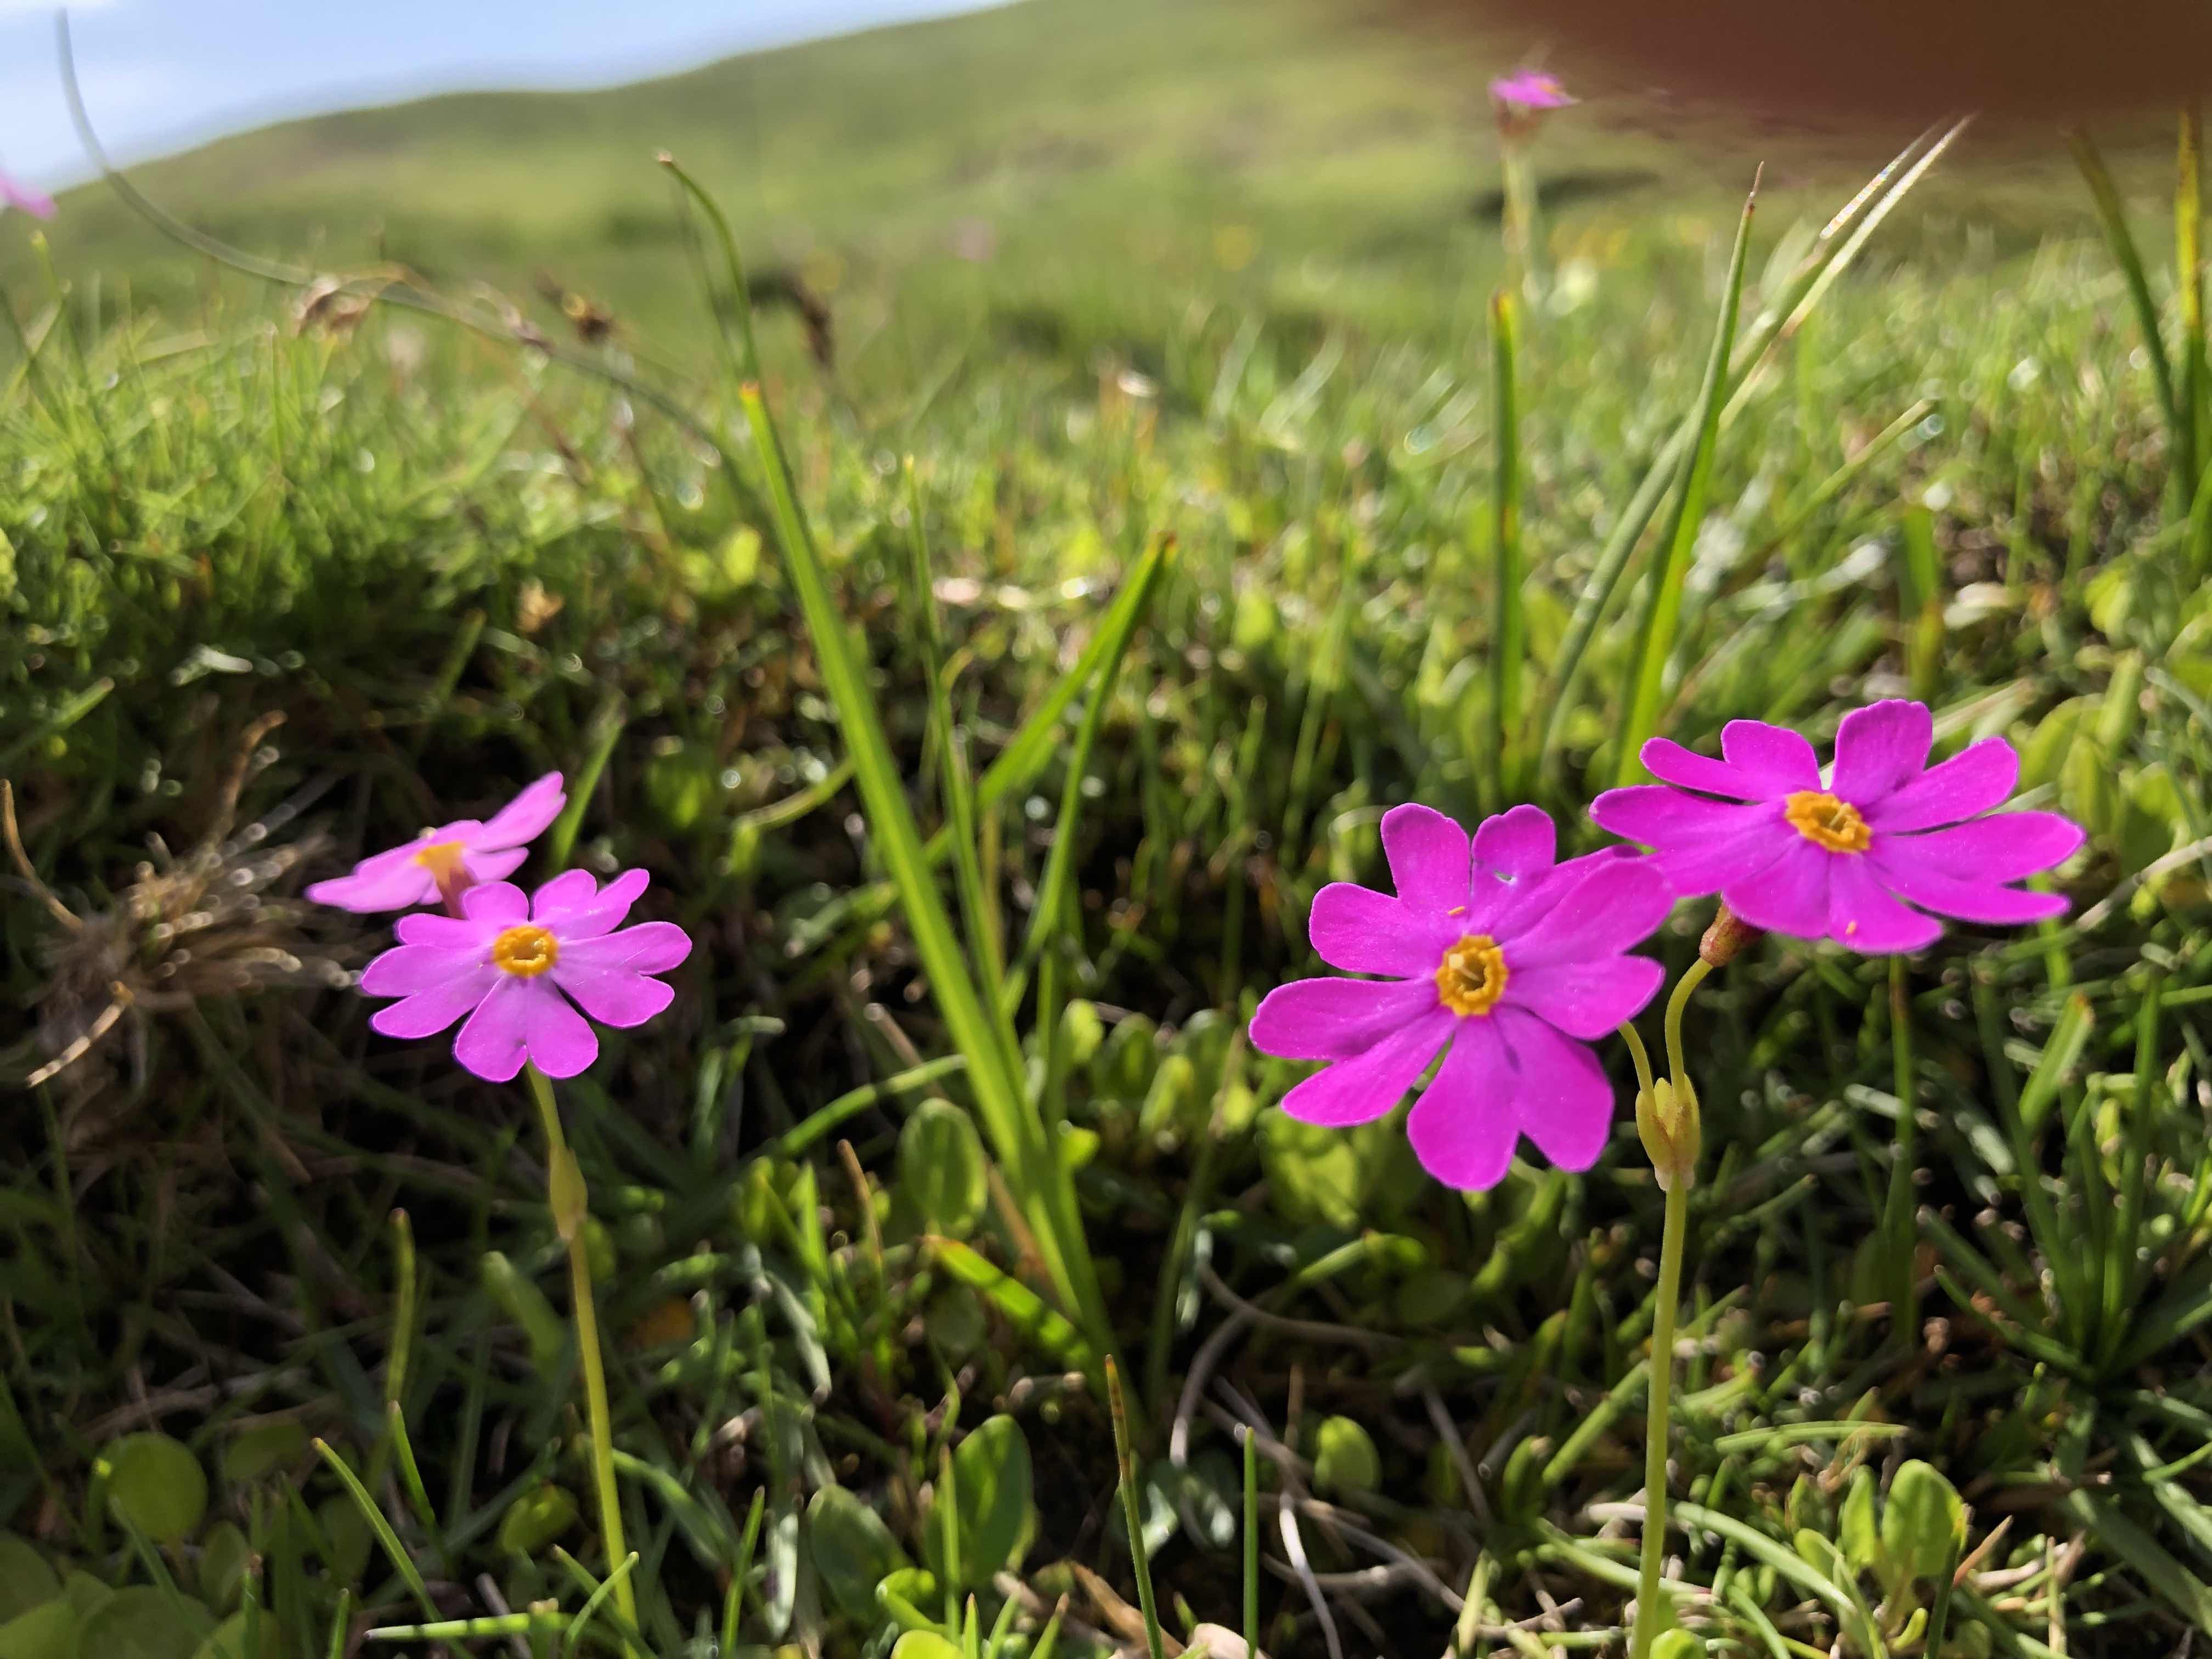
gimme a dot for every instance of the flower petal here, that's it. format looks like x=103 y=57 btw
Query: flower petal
x=1363 y=1088
x=496 y=901
x=526 y=818
x=1789 y=895
x=576 y=908
x=1616 y=905
x=1561 y=1096
x=432 y=1009
x=484 y=867
x=1985 y=901
x=1974 y=779
x=1337 y=1019
x=1780 y=761
x=1361 y=931
x=1668 y=761
x=614 y=996
x=1463 y=1126
x=525 y=1019
x=2003 y=848
x=1516 y=844
x=406 y=969
x=1880 y=748
x=391 y=880
x=1664 y=819
x=1585 y=1000
x=1864 y=916
x=1430 y=857
x=450 y=933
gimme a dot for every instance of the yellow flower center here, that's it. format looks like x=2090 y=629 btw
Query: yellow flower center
x=1472 y=976
x=1826 y=821
x=524 y=951
x=442 y=858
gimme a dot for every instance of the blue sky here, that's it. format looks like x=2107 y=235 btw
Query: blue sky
x=159 y=75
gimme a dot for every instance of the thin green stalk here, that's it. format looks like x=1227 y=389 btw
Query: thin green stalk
x=1132 y=1508
x=1251 y=1540
x=1897 y=1214
x=569 y=1199
x=2189 y=279
x=1649 y=1620
x=1507 y=647
x=1666 y=1307
x=2120 y=1270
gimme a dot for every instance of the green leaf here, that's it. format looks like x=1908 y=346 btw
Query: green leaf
x=26 y=1578
x=349 y=1536
x=941 y=1168
x=1021 y=1306
x=924 y=1644
x=144 y=1623
x=230 y=1639
x=155 y=1484
x=1860 y=1538
x=994 y=1514
x=224 y=1553
x=534 y=1520
x=853 y=1550
x=1924 y=1522
x=255 y=1451
x=1345 y=1458
x=44 y=1632
x=1679 y=1644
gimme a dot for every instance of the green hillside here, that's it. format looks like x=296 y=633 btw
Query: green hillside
x=1099 y=165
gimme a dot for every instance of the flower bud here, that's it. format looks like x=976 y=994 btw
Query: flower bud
x=1727 y=935
x=567 y=1194
x=1668 y=1121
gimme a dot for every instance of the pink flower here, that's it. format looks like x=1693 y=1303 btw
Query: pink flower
x=513 y=966
x=1528 y=89
x=442 y=864
x=1845 y=857
x=36 y=202
x=1503 y=960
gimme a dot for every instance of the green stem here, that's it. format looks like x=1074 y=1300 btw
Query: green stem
x=1898 y=1228
x=1692 y=978
x=600 y=1418
x=1649 y=1593
x=1640 y=1055
x=1649 y=1620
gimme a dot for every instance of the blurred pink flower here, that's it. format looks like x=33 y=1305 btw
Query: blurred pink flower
x=16 y=194
x=1501 y=958
x=1845 y=857
x=1528 y=89
x=442 y=864
x=519 y=969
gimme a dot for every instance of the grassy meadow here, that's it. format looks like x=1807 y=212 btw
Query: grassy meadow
x=1139 y=550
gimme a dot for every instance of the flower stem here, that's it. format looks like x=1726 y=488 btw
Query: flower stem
x=1649 y=1595
x=566 y=1191
x=1650 y=1620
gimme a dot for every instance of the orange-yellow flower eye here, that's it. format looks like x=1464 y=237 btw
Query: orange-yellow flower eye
x=1826 y=821
x=524 y=951
x=1472 y=976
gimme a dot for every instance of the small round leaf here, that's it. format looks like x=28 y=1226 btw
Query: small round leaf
x=156 y=1484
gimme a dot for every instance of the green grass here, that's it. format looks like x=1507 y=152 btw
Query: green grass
x=451 y=566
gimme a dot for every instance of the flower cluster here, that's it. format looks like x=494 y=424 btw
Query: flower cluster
x=514 y=970
x=1508 y=964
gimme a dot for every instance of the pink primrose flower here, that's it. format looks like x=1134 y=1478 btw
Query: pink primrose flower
x=521 y=969
x=442 y=864
x=16 y=194
x=1529 y=89
x=1845 y=856
x=1500 y=959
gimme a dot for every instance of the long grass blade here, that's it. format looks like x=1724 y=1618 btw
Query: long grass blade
x=1662 y=612
x=2113 y=220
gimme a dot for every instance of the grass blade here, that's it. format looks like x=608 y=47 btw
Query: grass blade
x=2112 y=219
x=1654 y=640
x=1507 y=643
x=1836 y=245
